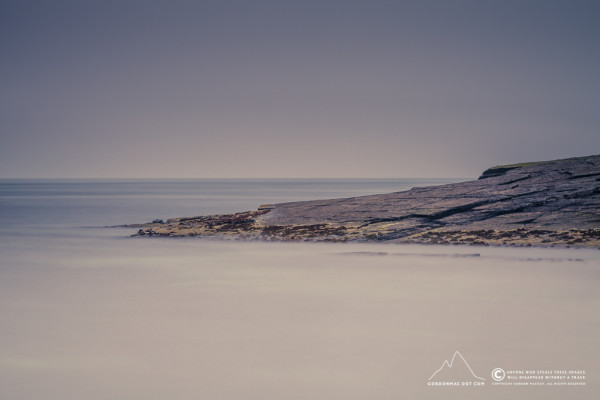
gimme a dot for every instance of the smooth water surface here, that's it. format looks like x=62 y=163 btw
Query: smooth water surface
x=90 y=313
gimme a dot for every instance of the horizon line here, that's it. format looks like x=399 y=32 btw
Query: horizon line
x=231 y=178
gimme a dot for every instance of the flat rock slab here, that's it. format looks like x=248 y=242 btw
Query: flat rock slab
x=541 y=203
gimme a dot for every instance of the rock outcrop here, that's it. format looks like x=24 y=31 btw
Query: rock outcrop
x=541 y=203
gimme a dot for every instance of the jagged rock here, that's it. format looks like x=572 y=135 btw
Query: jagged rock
x=541 y=203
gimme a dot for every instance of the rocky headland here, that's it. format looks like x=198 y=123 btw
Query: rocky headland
x=541 y=204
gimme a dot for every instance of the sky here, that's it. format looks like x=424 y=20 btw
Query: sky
x=294 y=89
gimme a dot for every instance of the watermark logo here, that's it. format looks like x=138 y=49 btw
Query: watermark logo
x=456 y=372
x=498 y=374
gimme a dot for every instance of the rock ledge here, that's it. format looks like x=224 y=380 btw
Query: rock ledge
x=541 y=203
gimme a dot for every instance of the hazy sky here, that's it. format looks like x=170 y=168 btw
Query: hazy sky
x=294 y=88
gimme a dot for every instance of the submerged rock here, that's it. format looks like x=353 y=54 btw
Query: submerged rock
x=540 y=203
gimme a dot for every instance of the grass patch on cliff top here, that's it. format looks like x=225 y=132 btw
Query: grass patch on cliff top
x=527 y=164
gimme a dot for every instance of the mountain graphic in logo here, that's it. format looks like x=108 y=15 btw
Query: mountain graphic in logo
x=456 y=369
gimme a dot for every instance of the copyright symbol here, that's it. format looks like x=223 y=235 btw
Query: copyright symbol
x=498 y=374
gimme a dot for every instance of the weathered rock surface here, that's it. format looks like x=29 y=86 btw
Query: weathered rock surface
x=541 y=203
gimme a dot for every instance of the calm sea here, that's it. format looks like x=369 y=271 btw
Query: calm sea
x=61 y=204
x=87 y=312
